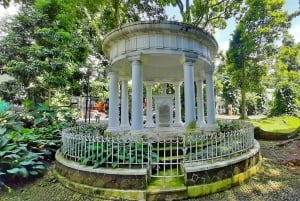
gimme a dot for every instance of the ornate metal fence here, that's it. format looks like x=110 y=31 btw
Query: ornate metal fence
x=162 y=156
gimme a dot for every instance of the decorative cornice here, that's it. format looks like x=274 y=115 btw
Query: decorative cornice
x=160 y=27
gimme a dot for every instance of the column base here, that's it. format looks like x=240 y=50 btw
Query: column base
x=125 y=127
x=178 y=124
x=113 y=129
x=149 y=125
x=137 y=132
x=201 y=124
x=210 y=127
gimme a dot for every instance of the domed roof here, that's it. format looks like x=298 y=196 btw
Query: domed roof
x=162 y=47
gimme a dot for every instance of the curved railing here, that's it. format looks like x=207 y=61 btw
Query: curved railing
x=163 y=156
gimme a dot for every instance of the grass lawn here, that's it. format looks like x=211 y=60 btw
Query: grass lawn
x=283 y=124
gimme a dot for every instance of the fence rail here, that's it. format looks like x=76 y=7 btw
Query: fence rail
x=162 y=156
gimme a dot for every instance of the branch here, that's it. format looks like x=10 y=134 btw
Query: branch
x=213 y=18
x=293 y=15
x=218 y=3
x=180 y=5
x=200 y=18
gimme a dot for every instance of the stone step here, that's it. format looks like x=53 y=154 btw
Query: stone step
x=166 y=188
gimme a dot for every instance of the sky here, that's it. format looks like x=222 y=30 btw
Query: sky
x=222 y=36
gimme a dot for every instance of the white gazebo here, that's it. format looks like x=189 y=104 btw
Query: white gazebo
x=154 y=52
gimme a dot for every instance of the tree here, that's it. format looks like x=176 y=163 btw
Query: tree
x=287 y=79
x=286 y=100
x=40 y=50
x=50 y=40
x=207 y=14
x=253 y=42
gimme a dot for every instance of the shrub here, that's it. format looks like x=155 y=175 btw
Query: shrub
x=286 y=100
x=27 y=139
x=228 y=126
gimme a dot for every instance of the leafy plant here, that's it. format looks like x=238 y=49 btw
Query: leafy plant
x=192 y=125
x=115 y=155
x=16 y=161
x=23 y=147
x=8 y=119
x=287 y=99
x=228 y=126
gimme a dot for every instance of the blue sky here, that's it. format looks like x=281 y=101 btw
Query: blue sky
x=223 y=36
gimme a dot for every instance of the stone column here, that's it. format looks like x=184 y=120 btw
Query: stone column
x=177 y=121
x=210 y=99
x=189 y=92
x=149 y=120
x=137 y=97
x=124 y=105
x=163 y=88
x=200 y=103
x=113 y=112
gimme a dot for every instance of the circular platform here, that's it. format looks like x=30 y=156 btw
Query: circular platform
x=163 y=164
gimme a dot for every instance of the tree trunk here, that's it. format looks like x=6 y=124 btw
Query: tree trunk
x=188 y=13
x=116 y=6
x=243 y=93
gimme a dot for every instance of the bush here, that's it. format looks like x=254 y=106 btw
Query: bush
x=228 y=126
x=255 y=103
x=286 y=100
x=27 y=139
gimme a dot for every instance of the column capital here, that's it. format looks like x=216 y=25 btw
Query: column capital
x=134 y=57
x=176 y=83
x=189 y=57
x=149 y=83
x=199 y=80
x=210 y=69
x=122 y=78
x=111 y=72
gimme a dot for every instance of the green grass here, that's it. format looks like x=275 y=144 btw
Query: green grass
x=283 y=124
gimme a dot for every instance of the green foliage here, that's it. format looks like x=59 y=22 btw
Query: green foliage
x=228 y=126
x=40 y=52
x=17 y=161
x=252 y=43
x=117 y=155
x=255 y=103
x=8 y=120
x=230 y=93
x=26 y=140
x=206 y=13
x=277 y=125
x=286 y=100
x=192 y=125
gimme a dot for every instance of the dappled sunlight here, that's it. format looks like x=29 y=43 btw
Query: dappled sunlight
x=261 y=188
x=274 y=172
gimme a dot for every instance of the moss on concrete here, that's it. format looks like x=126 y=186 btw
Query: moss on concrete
x=166 y=183
x=106 y=193
x=205 y=189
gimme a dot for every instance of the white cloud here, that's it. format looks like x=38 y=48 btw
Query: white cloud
x=223 y=46
x=295 y=31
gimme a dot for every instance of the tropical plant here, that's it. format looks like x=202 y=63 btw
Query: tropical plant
x=231 y=126
x=113 y=155
x=17 y=162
